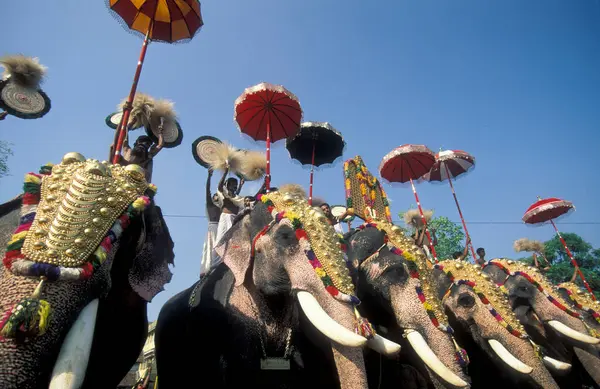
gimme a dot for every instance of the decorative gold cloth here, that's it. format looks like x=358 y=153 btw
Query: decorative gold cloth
x=80 y=201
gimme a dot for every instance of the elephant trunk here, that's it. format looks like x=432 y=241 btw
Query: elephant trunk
x=433 y=346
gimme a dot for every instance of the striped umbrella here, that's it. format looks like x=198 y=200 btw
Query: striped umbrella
x=406 y=164
x=166 y=21
x=450 y=164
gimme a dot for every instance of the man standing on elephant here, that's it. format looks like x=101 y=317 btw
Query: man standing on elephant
x=143 y=152
x=213 y=213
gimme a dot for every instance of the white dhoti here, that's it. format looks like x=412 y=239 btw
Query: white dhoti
x=208 y=249
x=225 y=223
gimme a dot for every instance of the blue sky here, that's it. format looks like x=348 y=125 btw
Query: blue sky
x=514 y=83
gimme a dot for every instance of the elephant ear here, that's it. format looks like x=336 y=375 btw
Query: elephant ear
x=235 y=249
x=150 y=271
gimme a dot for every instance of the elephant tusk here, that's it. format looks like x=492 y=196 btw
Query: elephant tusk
x=556 y=365
x=508 y=358
x=571 y=333
x=427 y=355
x=71 y=364
x=324 y=323
x=383 y=345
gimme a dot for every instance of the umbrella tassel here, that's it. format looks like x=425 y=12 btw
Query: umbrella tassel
x=123 y=126
x=573 y=261
x=268 y=175
x=29 y=316
x=424 y=221
x=462 y=219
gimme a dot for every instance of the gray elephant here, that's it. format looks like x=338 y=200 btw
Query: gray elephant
x=277 y=313
x=85 y=249
x=398 y=294
x=546 y=315
x=483 y=312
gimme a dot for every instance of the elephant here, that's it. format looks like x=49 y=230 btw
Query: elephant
x=581 y=301
x=126 y=270
x=398 y=295
x=277 y=312
x=547 y=316
x=482 y=311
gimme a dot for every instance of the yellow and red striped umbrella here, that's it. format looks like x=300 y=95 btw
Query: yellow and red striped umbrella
x=168 y=20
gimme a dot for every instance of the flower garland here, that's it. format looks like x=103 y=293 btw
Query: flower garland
x=31 y=315
x=365 y=179
x=568 y=288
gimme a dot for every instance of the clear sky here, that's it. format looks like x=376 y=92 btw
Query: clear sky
x=515 y=83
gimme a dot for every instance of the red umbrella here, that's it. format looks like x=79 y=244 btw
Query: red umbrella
x=405 y=164
x=268 y=112
x=166 y=21
x=545 y=210
x=450 y=164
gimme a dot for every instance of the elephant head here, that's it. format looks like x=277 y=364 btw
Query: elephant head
x=398 y=293
x=484 y=312
x=80 y=228
x=530 y=292
x=283 y=246
x=581 y=301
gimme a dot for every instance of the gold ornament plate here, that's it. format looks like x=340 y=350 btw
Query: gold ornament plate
x=580 y=296
x=322 y=237
x=80 y=201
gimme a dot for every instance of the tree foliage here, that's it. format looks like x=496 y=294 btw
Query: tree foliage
x=5 y=152
x=561 y=269
x=450 y=237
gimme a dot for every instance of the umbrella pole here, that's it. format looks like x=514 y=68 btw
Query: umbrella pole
x=122 y=129
x=573 y=261
x=462 y=219
x=424 y=221
x=312 y=174
x=268 y=175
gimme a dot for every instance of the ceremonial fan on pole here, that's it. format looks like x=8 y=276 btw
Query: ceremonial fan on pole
x=268 y=112
x=546 y=210
x=166 y=21
x=316 y=144
x=450 y=164
x=406 y=164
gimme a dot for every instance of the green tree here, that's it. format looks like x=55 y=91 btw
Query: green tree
x=450 y=237
x=5 y=152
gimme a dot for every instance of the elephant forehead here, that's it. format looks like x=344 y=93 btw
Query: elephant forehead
x=490 y=294
x=581 y=298
x=78 y=203
x=313 y=228
x=538 y=280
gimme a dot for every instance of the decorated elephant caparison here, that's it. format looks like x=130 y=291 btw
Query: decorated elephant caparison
x=278 y=312
x=84 y=250
x=548 y=318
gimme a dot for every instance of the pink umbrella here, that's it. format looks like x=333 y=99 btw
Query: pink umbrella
x=545 y=210
x=405 y=164
x=450 y=164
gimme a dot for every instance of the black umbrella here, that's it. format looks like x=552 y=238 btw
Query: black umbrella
x=316 y=144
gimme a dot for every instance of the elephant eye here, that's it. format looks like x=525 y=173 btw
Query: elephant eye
x=396 y=273
x=466 y=300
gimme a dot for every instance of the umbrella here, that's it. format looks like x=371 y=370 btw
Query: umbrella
x=545 y=210
x=166 y=21
x=268 y=112
x=316 y=144
x=406 y=164
x=450 y=164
